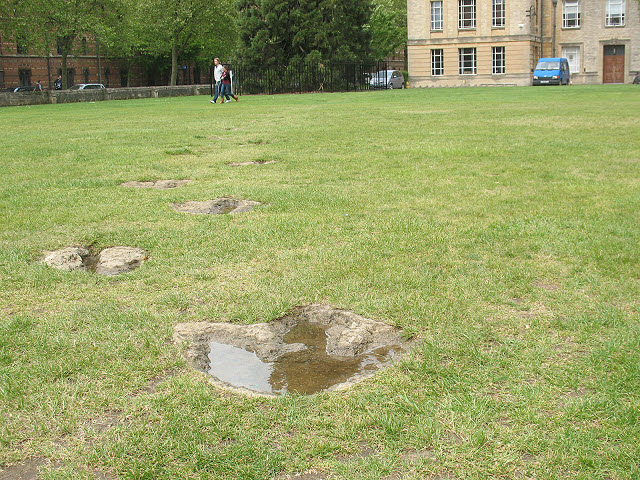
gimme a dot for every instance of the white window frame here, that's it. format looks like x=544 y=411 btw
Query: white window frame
x=498 y=13
x=467 y=61
x=614 y=16
x=437 y=20
x=498 y=60
x=572 y=54
x=437 y=62
x=571 y=14
x=466 y=14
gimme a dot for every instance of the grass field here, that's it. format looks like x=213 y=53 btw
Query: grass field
x=499 y=226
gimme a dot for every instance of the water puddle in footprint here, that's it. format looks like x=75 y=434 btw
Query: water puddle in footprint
x=308 y=370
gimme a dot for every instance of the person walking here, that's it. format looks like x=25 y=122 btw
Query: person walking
x=38 y=86
x=226 y=86
x=217 y=76
x=57 y=84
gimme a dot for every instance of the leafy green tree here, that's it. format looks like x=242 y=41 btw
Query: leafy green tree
x=185 y=30
x=119 y=33
x=388 y=27
x=277 y=32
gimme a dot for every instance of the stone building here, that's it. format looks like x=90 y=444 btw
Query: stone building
x=498 y=42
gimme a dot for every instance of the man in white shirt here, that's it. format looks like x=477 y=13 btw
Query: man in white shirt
x=217 y=76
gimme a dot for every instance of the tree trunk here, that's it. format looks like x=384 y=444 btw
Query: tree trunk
x=64 y=70
x=67 y=44
x=98 y=57
x=174 y=65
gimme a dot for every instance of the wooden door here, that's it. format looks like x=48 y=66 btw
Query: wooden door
x=613 y=64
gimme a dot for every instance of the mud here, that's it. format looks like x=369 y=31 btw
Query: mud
x=311 y=349
x=219 y=206
x=253 y=162
x=158 y=184
x=110 y=261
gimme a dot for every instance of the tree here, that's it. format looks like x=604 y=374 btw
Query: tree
x=388 y=27
x=277 y=32
x=182 y=30
x=186 y=29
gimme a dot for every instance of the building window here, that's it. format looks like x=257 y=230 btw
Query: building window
x=85 y=72
x=498 y=13
x=571 y=14
x=84 y=46
x=467 y=61
x=497 y=54
x=437 y=62
x=2 y=87
x=21 y=46
x=614 y=16
x=466 y=14
x=24 y=75
x=572 y=54
x=436 y=16
x=71 y=77
x=124 y=78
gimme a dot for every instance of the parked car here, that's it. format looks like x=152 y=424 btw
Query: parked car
x=87 y=86
x=24 y=88
x=552 y=71
x=387 y=79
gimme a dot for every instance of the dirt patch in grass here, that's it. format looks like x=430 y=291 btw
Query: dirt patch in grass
x=158 y=184
x=28 y=470
x=312 y=348
x=218 y=206
x=252 y=162
x=110 y=261
x=31 y=468
x=308 y=475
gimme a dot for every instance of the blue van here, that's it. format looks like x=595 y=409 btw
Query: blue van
x=552 y=71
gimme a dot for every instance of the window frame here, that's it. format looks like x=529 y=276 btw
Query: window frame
x=466 y=14
x=498 y=60
x=467 y=60
x=437 y=55
x=569 y=9
x=608 y=16
x=498 y=14
x=436 y=6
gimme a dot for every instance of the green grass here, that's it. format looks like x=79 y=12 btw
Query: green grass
x=499 y=226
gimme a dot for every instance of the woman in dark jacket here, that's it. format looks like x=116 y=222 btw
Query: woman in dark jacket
x=226 y=86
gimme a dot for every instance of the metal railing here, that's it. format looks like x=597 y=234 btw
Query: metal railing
x=306 y=77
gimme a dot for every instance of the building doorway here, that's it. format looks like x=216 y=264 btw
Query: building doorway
x=613 y=64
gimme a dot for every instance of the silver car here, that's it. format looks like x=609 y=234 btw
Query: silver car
x=387 y=79
x=87 y=86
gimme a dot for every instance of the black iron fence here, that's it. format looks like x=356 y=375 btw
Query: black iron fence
x=308 y=77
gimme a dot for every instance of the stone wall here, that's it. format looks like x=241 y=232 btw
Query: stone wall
x=8 y=99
